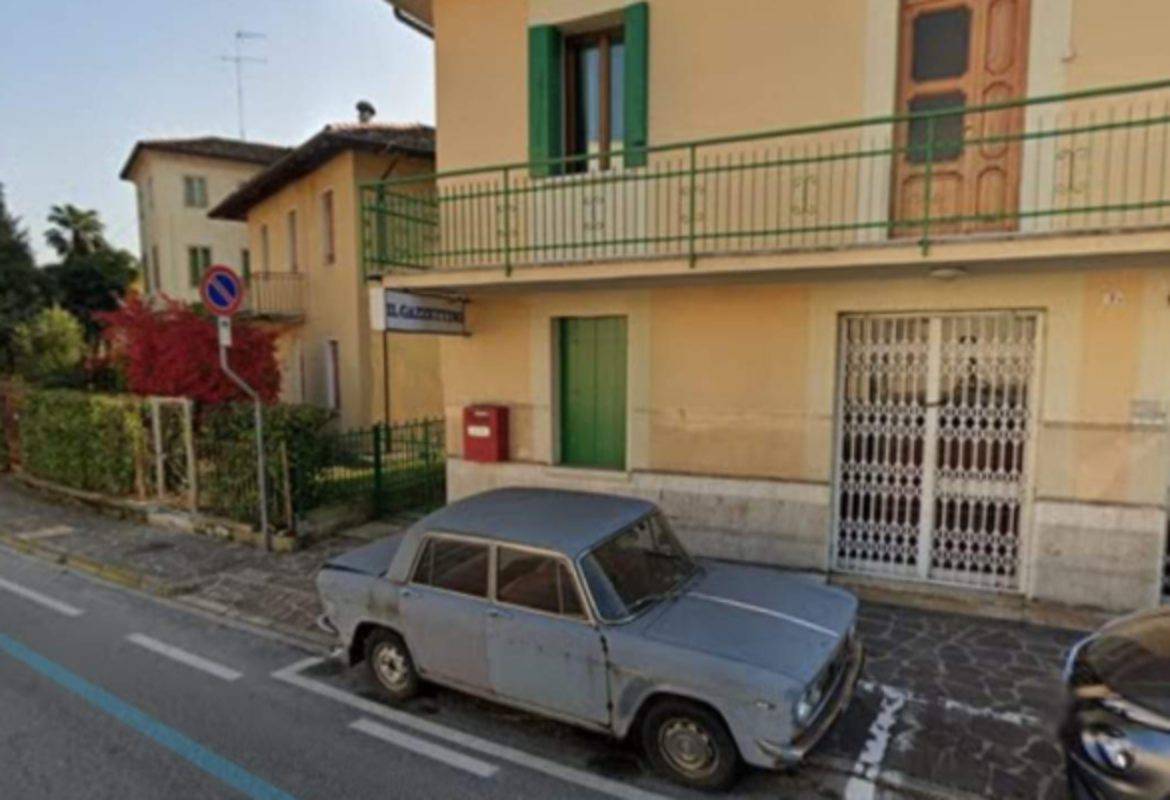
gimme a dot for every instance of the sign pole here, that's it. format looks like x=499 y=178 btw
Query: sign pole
x=223 y=293
x=261 y=471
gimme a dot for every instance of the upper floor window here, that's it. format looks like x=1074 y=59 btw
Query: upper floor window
x=246 y=264
x=588 y=94
x=328 y=240
x=156 y=270
x=293 y=260
x=264 y=265
x=198 y=262
x=194 y=191
x=594 y=98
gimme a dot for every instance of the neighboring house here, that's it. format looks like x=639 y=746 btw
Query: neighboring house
x=177 y=181
x=306 y=278
x=925 y=350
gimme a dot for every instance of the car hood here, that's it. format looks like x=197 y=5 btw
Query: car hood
x=771 y=620
x=1132 y=657
x=373 y=559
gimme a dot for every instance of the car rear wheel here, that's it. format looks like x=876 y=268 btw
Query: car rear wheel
x=689 y=744
x=391 y=666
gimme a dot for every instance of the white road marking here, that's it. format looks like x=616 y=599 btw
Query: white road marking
x=588 y=780
x=1017 y=718
x=183 y=657
x=869 y=762
x=40 y=599
x=46 y=533
x=422 y=747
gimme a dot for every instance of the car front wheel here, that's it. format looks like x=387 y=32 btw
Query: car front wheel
x=689 y=744
x=391 y=666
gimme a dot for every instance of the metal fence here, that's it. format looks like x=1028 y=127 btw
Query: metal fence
x=395 y=467
x=1086 y=161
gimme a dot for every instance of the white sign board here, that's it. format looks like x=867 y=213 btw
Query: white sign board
x=416 y=313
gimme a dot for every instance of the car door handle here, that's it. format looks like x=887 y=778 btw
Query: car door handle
x=496 y=613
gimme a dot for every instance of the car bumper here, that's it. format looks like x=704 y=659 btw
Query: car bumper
x=785 y=755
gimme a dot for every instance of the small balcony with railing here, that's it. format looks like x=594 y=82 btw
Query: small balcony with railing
x=895 y=190
x=275 y=296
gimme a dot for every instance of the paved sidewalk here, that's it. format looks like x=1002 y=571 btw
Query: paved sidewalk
x=223 y=577
x=950 y=705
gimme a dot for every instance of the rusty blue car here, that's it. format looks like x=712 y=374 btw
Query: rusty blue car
x=586 y=608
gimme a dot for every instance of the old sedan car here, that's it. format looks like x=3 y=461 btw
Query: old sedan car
x=585 y=608
x=1117 y=730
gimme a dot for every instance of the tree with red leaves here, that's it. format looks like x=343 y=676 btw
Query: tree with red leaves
x=173 y=351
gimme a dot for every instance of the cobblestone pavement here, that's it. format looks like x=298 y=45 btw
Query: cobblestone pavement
x=949 y=705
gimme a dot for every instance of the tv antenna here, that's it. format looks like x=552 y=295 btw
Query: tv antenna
x=239 y=59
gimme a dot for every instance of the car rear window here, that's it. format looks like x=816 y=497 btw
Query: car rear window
x=454 y=565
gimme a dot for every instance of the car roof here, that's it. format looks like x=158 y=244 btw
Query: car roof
x=554 y=519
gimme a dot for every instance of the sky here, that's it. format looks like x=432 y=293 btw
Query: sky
x=82 y=80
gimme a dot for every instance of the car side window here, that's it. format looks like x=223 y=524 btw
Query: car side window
x=536 y=581
x=454 y=565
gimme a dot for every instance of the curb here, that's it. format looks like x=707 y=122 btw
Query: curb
x=151 y=586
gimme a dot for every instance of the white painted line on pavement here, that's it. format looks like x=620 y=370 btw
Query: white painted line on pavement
x=40 y=599
x=869 y=763
x=1017 y=718
x=588 y=780
x=46 y=533
x=422 y=747
x=183 y=657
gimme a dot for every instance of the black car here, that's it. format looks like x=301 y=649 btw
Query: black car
x=1117 y=731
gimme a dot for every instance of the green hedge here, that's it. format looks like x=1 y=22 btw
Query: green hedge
x=84 y=441
x=226 y=448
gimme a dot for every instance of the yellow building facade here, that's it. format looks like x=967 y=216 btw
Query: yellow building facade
x=306 y=281
x=887 y=283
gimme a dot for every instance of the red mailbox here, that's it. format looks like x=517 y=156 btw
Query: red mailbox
x=485 y=433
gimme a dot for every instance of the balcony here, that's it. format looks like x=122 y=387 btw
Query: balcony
x=276 y=296
x=1089 y=162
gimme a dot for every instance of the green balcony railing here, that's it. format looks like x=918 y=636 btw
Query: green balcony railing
x=1096 y=160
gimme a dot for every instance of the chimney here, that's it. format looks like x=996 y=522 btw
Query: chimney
x=365 y=111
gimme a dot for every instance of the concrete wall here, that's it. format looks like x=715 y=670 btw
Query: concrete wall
x=166 y=223
x=337 y=302
x=731 y=403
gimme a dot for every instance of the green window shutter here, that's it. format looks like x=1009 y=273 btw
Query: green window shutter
x=544 y=98
x=636 y=89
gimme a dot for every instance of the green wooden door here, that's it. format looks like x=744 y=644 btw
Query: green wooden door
x=593 y=392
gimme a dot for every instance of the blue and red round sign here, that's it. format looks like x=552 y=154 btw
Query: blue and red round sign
x=222 y=290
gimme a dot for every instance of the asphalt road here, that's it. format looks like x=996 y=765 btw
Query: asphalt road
x=105 y=693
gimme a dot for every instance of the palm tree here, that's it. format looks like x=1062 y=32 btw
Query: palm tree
x=75 y=231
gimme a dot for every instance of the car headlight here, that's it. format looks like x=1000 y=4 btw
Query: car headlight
x=1108 y=747
x=807 y=704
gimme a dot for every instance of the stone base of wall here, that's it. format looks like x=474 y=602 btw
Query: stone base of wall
x=772 y=522
x=1106 y=556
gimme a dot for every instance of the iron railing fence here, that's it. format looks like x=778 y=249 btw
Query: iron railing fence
x=1084 y=161
x=275 y=294
x=397 y=467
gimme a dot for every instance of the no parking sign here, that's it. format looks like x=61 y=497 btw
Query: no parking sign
x=222 y=291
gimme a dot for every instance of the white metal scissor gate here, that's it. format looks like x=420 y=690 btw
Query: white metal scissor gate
x=935 y=415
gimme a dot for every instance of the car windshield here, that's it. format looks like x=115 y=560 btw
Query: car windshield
x=1134 y=661
x=636 y=568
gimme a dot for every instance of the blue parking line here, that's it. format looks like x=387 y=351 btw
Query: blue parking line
x=215 y=765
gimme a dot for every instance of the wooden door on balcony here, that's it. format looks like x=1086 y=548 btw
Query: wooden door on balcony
x=959 y=54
